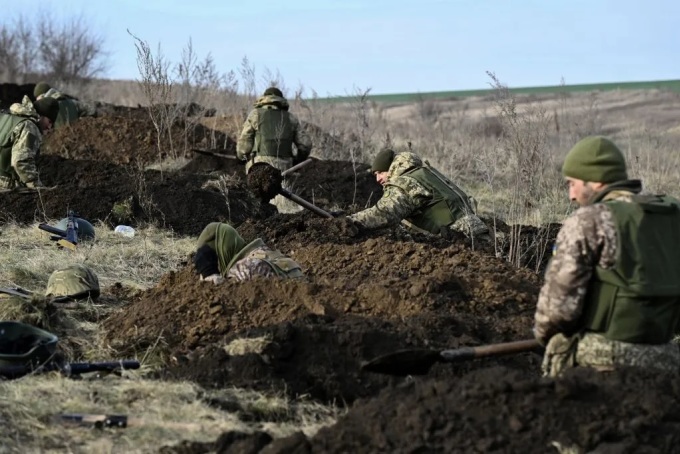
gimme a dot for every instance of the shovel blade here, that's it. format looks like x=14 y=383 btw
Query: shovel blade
x=404 y=362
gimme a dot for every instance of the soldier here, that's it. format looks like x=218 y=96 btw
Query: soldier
x=21 y=133
x=268 y=136
x=222 y=253
x=70 y=108
x=612 y=289
x=416 y=192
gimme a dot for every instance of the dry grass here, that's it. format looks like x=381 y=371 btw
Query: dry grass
x=168 y=412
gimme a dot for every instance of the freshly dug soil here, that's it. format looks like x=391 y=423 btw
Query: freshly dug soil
x=265 y=181
x=118 y=194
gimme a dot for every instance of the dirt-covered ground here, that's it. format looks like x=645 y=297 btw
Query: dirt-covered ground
x=364 y=295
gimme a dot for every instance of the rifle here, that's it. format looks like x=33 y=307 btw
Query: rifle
x=65 y=238
x=27 y=294
x=68 y=369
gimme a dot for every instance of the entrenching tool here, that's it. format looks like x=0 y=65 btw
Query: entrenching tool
x=297 y=166
x=289 y=195
x=419 y=361
x=214 y=153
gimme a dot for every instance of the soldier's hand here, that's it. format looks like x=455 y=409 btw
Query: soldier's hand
x=34 y=184
x=214 y=278
x=346 y=226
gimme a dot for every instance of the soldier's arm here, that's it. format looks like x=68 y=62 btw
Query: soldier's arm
x=85 y=109
x=587 y=239
x=24 y=153
x=302 y=140
x=250 y=268
x=246 y=141
x=394 y=206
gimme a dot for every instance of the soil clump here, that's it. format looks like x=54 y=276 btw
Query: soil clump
x=265 y=181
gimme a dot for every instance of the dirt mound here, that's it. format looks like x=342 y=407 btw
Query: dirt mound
x=500 y=410
x=265 y=181
x=125 y=135
x=119 y=194
x=361 y=301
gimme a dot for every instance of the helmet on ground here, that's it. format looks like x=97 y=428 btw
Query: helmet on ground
x=74 y=281
x=84 y=229
x=25 y=345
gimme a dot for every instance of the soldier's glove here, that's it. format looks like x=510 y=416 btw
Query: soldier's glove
x=346 y=226
x=34 y=184
x=214 y=278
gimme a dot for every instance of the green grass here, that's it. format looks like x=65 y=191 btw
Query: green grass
x=673 y=85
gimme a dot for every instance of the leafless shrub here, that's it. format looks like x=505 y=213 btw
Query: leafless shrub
x=63 y=52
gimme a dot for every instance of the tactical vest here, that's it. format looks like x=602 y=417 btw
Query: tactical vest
x=68 y=112
x=638 y=299
x=283 y=266
x=7 y=124
x=274 y=136
x=449 y=203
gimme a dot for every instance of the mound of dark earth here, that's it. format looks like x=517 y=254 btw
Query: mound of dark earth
x=360 y=301
x=112 y=193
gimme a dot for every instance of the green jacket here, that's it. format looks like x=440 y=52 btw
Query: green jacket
x=638 y=299
x=7 y=124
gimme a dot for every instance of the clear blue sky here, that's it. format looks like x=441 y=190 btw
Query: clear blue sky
x=396 y=46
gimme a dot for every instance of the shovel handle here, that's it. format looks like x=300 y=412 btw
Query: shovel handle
x=302 y=202
x=297 y=166
x=483 y=351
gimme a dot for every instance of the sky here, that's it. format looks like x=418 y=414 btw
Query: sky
x=339 y=47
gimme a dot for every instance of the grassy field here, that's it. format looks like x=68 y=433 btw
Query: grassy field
x=673 y=85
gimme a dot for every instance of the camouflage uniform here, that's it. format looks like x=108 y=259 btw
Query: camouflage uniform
x=587 y=241
x=271 y=117
x=70 y=109
x=20 y=141
x=407 y=198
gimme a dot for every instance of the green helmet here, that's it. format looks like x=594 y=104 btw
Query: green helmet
x=25 y=345
x=74 y=281
x=40 y=89
x=84 y=229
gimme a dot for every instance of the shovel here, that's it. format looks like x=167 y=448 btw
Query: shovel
x=419 y=361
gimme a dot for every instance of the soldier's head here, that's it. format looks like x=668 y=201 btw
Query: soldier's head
x=40 y=89
x=381 y=165
x=48 y=109
x=273 y=91
x=591 y=165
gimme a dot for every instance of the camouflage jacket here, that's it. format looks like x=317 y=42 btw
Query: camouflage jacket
x=246 y=141
x=587 y=239
x=26 y=139
x=84 y=109
x=404 y=196
x=250 y=267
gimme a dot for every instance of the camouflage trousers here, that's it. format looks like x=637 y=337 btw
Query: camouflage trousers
x=596 y=351
x=282 y=204
x=7 y=183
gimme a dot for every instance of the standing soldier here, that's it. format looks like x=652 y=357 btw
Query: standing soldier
x=70 y=108
x=21 y=133
x=612 y=290
x=421 y=195
x=222 y=253
x=268 y=135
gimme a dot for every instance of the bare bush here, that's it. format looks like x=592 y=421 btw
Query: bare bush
x=61 y=52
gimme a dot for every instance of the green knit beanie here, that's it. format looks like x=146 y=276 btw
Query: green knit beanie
x=273 y=91
x=47 y=107
x=41 y=88
x=595 y=159
x=382 y=160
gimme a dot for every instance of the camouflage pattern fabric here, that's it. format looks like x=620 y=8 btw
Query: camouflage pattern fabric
x=246 y=141
x=26 y=139
x=250 y=267
x=403 y=196
x=84 y=109
x=596 y=351
x=587 y=239
x=75 y=281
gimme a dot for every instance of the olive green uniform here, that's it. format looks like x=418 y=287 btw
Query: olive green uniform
x=20 y=141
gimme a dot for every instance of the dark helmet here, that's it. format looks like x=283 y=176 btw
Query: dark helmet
x=25 y=345
x=84 y=228
x=47 y=107
x=273 y=91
